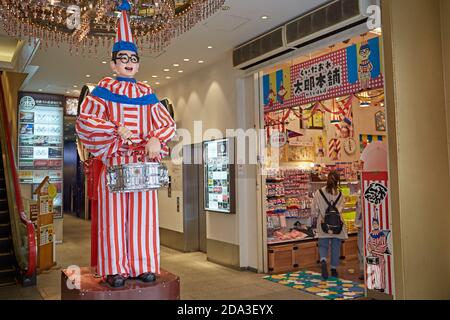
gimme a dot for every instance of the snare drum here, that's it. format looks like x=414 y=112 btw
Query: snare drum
x=137 y=177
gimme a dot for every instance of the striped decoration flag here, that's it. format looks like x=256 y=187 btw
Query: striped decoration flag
x=334 y=149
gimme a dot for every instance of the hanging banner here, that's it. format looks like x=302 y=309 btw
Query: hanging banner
x=336 y=74
x=377 y=232
x=277 y=87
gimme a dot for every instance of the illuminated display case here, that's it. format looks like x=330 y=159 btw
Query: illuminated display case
x=219 y=175
x=40 y=142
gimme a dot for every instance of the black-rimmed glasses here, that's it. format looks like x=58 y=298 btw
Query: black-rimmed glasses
x=126 y=58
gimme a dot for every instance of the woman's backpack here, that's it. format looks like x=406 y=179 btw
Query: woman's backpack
x=332 y=220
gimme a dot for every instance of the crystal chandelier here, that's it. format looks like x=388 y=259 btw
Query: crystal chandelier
x=86 y=25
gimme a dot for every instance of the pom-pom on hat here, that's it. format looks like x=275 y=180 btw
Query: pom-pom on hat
x=124 y=37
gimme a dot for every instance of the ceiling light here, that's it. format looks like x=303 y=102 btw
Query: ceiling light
x=145 y=81
x=40 y=89
x=166 y=70
x=157 y=83
x=209 y=47
x=201 y=61
x=104 y=62
x=88 y=76
x=154 y=76
x=115 y=74
x=176 y=65
x=264 y=17
x=168 y=77
x=75 y=86
x=187 y=60
x=180 y=71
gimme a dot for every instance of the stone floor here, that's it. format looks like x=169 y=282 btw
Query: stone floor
x=200 y=279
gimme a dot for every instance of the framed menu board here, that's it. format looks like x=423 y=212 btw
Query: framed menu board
x=40 y=141
x=219 y=176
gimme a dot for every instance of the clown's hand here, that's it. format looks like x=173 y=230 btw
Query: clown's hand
x=153 y=148
x=124 y=133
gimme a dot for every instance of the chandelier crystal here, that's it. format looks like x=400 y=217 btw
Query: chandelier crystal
x=86 y=25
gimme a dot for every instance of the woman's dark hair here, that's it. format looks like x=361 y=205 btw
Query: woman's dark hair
x=333 y=182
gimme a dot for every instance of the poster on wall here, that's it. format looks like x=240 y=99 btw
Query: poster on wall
x=218 y=184
x=339 y=73
x=40 y=137
x=377 y=232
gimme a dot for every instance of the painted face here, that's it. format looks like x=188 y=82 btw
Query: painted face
x=364 y=52
x=375 y=225
x=126 y=64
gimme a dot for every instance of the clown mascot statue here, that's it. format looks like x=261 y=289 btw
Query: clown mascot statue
x=122 y=122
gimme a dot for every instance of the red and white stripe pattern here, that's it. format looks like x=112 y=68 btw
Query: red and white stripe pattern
x=128 y=238
x=123 y=32
x=370 y=210
x=334 y=149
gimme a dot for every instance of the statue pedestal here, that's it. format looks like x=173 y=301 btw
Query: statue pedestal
x=166 y=287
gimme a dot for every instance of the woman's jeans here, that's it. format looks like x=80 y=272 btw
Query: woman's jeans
x=324 y=245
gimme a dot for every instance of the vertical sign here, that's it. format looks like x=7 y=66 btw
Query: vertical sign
x=377 y=232
x=40 y=137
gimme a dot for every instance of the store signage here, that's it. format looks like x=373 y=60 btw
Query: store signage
x=339 y=73
x=40 y=150
x=377 y=232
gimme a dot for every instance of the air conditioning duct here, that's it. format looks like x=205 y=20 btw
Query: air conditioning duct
x=326 y=20
x=323 y=22
x=260 y=49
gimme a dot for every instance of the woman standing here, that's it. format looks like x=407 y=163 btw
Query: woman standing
x=327 y=206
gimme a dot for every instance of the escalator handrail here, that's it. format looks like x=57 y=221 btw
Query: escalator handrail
x=18 y=197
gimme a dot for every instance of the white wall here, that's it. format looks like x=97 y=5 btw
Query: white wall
x=209 y=95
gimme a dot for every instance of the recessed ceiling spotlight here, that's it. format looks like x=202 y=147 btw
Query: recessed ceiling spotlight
x=264 y=17
x=166 y=70
x=209 y=47
x=75 y=86
x=67 y=92
x=168 y=77
x=186 y=60
x=157 y=83
x=115 y=74
x=145 y=81
x=104 y=62
x=154 y=76
x=88 y=76
x=180 y=71
x=201 y=61
x=40 y=89
x=176 y=65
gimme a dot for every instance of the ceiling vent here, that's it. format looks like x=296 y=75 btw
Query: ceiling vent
x=323 y=22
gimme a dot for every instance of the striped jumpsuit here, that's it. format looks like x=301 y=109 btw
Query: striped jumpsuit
x=128 y=229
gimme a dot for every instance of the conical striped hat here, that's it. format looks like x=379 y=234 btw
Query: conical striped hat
x=124 y=37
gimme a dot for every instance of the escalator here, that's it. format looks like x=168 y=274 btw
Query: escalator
x=17 y=232
x=8 y=269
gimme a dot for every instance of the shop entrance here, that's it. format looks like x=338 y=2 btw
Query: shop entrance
x=324 y=111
